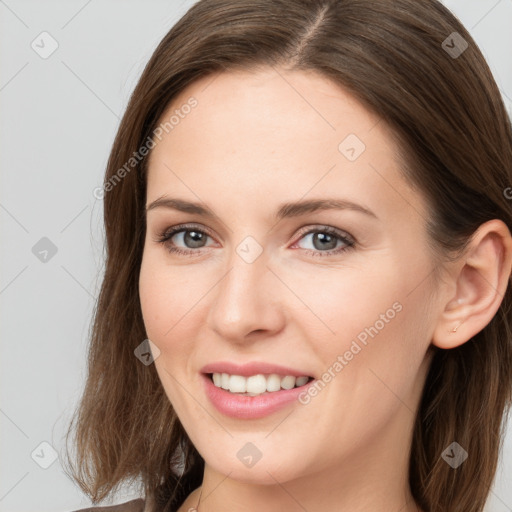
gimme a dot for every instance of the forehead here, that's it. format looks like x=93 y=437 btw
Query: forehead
x=255 y=106
x=252 y=134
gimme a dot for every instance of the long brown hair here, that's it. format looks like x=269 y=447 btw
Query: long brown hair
x=447 y=115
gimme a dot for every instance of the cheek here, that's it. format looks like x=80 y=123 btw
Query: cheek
x=373 y=328
x=384 y=348
x=340 y=305
x=167 y=296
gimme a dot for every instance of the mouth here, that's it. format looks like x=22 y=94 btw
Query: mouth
x=258 y=384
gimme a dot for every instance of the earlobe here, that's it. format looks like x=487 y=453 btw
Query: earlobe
x=480 y=277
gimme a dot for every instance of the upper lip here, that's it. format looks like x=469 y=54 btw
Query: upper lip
x=251 y=368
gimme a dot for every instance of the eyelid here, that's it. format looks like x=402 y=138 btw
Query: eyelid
x=171 y=231
x=325 y=228
x=302 y=231
x=165 y=236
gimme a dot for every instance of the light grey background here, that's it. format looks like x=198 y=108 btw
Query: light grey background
x=59 y=118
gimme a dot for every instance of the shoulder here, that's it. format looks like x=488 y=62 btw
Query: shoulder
x=136 y=505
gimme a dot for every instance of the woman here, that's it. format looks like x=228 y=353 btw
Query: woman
x=306 y=303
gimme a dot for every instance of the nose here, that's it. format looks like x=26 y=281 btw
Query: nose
x=247 y=302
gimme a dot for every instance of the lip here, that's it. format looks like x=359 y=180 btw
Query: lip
x=252 y=368
x=250 y=407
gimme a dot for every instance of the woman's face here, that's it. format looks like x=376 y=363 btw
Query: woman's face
x=256 y=284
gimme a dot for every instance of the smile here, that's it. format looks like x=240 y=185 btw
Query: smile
x=258 y=403
x=259 y=384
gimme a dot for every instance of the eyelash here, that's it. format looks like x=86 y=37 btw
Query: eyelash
x=165 y=237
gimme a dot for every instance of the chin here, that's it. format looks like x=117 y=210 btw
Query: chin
x=265 y=471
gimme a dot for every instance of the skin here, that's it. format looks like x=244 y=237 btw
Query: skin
x=256 y=140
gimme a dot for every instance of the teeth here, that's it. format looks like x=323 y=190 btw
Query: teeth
x=288 y=382
x=256 y=384
x=273 y=382
x=300 y=381
x=237 y=384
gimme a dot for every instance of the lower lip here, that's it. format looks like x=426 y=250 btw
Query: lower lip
x=250 y=407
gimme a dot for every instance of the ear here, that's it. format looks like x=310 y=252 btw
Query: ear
x=480 y=278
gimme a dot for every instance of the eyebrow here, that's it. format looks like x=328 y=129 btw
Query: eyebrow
x=286 y=210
